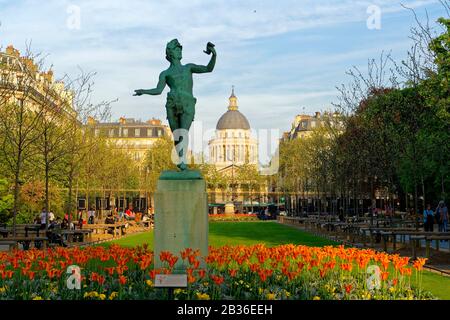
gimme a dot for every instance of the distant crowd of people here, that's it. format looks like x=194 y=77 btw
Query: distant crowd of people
x=439 y=216
x=112 y=217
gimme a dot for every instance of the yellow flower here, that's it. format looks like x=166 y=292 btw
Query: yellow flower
x=366 y=296
x=113 y=295
x=392 y=289
x=316 y=298
x=271 y=296
x=149 y=283
x=178 y=291
x=102 y=296
x=92 y=294
x=205 y=284
x=38 y=298
x=2 y=289
x=203 y=296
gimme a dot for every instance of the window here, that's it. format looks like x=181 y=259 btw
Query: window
x=159 y=132
x=125 y=132
x=111 y=132
x=149 y=133
x=137 y=132
x=97 y=132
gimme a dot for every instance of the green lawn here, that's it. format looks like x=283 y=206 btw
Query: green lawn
x=273 y=234
x=247 y=233
x=436 y=284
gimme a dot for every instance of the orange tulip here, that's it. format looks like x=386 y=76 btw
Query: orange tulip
x=122 y=280
x=348 y=288
x=419 y=263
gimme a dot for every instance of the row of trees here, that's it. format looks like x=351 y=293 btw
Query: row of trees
x=395 y=137
x=47 y=154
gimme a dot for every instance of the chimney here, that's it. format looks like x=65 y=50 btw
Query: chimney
x=122 y=120
x=12 y=51
x=317 y=114
x=91 y=121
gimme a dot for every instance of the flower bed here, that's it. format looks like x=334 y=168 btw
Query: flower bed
x=234 y=272
x=232 y=217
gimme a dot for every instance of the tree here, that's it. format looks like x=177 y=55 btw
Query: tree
x=80 y=141
x=19 y=118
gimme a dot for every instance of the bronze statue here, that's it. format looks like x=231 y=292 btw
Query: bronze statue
x=180 y=105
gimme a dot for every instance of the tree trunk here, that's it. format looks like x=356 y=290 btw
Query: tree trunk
x=46 y=194
x=16 y=193
x=69 y=197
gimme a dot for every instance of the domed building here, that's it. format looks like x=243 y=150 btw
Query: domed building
x=231 y=148
x=233 y=144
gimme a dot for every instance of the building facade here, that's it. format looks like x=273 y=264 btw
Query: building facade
x=22 y=82
x=303 y=125
x=133 y=136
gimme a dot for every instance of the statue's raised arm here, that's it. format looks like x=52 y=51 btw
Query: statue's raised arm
x=208 y=68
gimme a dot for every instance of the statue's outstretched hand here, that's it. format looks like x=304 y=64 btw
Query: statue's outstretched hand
x=210 y=48
x=138 y=92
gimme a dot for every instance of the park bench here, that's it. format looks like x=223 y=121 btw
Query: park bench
x=11 y=244
x=414 y=243
x=438 y=239
x=26 y=241
x=385 y=236
x=77 y=235
x=117 y=228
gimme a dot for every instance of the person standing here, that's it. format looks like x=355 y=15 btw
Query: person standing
x=43 y=218
x=441 y=216
x=428 y=219
x=51 y=216
x=91 y=216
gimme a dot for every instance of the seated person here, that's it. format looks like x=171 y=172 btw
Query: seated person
x=146 y=220
x=109 y=219
x=65 y=224
x=129 y=215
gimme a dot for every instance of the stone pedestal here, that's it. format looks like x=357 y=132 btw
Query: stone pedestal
x=229 y=208
x=181 y=215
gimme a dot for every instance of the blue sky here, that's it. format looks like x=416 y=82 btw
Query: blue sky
x=284 y=57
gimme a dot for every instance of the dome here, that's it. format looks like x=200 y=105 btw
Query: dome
x=233 y=119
